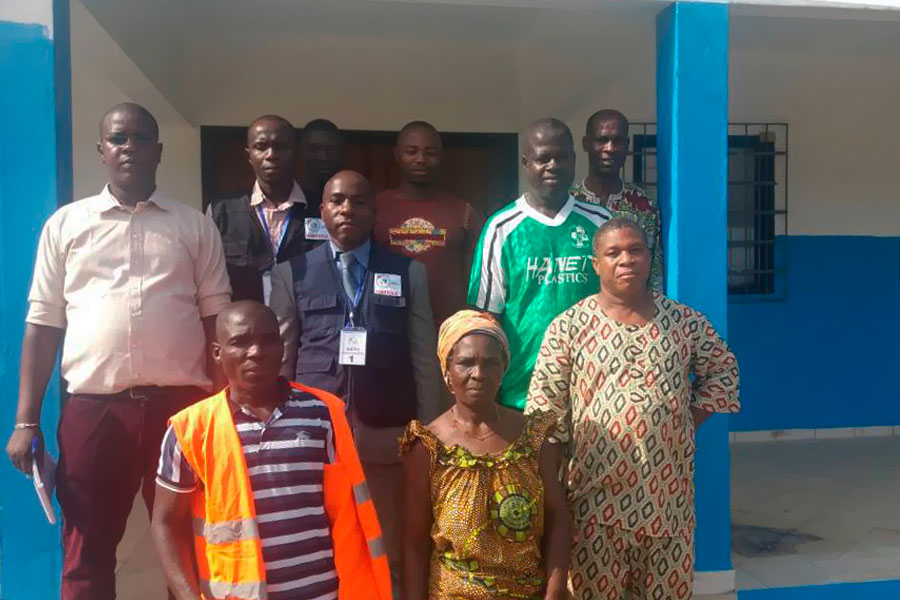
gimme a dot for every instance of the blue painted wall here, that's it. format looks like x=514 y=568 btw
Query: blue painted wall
x=692 y=108
x=35 y=176
x=826 y=353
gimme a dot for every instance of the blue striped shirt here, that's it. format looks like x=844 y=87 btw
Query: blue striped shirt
x=285 y=458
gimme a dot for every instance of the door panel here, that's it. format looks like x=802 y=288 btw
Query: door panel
x=480 y=168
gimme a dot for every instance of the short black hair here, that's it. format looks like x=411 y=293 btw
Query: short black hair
x=323 y=125
x=554 y=126
x=605 y=114
x=417 y=125
x=616 y=224
x=277 y=118
x=262 y=119
x=130 y=107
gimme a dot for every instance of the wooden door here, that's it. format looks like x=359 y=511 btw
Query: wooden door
x=480 y=168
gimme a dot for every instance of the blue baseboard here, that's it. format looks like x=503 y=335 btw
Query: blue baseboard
x=869 y=590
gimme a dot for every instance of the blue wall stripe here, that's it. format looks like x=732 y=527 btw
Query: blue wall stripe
x=870 y=590
x=62 y=88
x=34 y=118
x=692 y=110
x=825 y=354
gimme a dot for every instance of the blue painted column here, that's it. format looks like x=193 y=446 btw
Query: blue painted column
x=35 y=178
x=692 y=141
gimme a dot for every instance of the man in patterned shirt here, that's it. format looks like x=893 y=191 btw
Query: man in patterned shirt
x=630 y=375
x=606 y=143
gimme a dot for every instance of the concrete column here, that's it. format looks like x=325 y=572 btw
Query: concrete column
x=692 y=141
x=35 y=178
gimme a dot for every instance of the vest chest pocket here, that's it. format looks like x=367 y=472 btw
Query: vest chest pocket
x=235 y=250
x=320 y=312
x=388 y=314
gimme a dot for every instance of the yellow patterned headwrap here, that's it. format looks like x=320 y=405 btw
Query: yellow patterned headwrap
x=461 y=324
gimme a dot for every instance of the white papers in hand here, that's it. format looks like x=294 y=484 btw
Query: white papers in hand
x=43 y=471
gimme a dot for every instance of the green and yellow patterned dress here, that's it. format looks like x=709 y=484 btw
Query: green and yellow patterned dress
x=488 y=514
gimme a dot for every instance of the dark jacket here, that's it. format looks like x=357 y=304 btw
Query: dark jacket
x=401 y=379
x=383 y=392
x=248 y=251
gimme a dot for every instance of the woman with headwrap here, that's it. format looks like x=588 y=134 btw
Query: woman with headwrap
x=485 y=516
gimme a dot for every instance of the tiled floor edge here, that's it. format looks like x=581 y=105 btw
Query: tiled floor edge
x=831 y=433
x=708 y=583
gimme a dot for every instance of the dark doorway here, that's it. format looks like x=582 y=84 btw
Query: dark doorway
x=480 y=168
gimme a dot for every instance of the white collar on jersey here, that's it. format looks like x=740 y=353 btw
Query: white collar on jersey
x=559 y=219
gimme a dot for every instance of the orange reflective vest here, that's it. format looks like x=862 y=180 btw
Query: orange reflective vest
x=226 y=538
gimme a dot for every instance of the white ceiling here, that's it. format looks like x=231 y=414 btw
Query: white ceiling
x=169 y=40
x=174 y=41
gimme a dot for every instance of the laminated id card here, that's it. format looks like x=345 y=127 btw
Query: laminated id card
x=353 y=346
x=314 y=229
x=387 y=284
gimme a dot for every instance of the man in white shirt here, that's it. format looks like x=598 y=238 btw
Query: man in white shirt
x=132 y=281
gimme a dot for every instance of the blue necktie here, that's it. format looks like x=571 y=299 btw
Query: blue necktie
x=349 y=277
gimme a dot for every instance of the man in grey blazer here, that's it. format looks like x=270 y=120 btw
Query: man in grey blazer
x=356 y=321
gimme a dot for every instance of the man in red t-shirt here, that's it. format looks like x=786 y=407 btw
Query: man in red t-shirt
x=425 y=223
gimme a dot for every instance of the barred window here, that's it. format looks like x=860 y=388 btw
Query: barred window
x=757 y=198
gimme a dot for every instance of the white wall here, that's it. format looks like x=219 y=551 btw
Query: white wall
x=359 y=83
x=837 y=85
x=39 y=12
x=102 y=76
x=563 y=63
x=835 y=82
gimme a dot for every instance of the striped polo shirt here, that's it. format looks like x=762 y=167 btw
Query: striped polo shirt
x=285 y=457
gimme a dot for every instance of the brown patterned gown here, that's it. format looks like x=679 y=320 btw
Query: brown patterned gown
x=488 y=514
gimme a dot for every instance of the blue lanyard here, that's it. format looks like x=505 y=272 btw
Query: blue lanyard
x=359 y=291
x=262 y=219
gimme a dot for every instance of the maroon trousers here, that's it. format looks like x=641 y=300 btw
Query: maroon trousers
x=109 y=449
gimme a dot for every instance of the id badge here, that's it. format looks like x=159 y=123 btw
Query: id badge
x=353 y=346
x=314 y=229
x=388 y=284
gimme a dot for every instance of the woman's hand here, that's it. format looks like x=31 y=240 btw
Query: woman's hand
x=417 y=518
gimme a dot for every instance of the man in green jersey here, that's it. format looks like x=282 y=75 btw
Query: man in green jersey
x=533 y=260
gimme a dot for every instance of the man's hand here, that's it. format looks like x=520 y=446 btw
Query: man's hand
x=39 y=346
x=699 y=415
x=19 y=448
x=170 y=527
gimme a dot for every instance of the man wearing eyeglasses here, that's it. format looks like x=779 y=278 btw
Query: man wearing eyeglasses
x=130 y=283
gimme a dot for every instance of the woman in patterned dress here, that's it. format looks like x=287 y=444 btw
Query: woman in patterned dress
x=485 y=514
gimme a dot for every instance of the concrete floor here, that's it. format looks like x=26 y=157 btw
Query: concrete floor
x=804 y=513
x=815 y=512
x=138 y=574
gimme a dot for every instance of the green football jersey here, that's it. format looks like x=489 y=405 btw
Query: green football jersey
x=527 y=269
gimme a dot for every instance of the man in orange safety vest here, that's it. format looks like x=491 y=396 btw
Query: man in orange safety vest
x=260 y=492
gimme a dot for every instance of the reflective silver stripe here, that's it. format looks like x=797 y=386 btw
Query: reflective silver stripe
x=223 y=590
x=226 y=531
x=376 y=548
x=361 y=493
